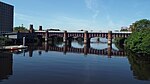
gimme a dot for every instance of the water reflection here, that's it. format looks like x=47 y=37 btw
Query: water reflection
x=6 y=61
x=63 y=66
x=140 y=65
x=109 y=51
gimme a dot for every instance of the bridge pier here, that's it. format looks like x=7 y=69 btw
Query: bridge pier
x=65 y=37
x=109 y=37
x=46 y=36
x=86 y=49
x=46 y=47
x=65 y=40
x=109 y=53
x=65 y=49
x=86 y=39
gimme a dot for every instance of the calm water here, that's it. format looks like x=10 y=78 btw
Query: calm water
x=76 y=65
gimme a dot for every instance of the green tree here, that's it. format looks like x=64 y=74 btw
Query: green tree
x=139 y=41
x=20 y=29
x=138 y=25
x=5 y=41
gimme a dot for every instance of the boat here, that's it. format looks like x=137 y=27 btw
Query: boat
x=15 y=47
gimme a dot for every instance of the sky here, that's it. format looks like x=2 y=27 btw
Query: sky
x=79 y=14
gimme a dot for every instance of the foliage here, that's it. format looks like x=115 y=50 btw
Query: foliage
x=20 y=29
x=139 y=41
x=5 y=41
x=139 y=25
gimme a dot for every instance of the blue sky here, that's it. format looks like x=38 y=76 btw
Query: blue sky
x=79 y=14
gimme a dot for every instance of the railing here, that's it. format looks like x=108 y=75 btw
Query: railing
x=98 y=31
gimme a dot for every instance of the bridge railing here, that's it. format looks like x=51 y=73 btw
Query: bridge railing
x=95 y=31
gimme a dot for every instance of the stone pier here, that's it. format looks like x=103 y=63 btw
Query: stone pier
x=46 y=36
x=65 y=37
x=109 y=37
x=86 y=49
x=109 y=49
x=86 y=39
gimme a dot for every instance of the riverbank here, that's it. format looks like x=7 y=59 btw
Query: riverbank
x=138 y=41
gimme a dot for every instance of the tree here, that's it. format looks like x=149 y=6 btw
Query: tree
x=139 y=41
x=5 y=41
x=138 y=25
x=20 y=29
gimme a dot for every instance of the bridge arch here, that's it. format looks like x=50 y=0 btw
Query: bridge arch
x=86 y=35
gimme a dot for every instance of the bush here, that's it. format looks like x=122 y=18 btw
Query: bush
x=5 y=41
x=139 y=25
x=139 y=41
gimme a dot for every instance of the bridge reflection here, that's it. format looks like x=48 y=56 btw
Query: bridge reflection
x=139 y=64
x=109 y=51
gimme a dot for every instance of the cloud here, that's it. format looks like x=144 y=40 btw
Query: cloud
x=93 y=6
x=95 y=14
x=112 y=24
x=71 y=23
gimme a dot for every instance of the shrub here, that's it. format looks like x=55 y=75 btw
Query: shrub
x=139 y=41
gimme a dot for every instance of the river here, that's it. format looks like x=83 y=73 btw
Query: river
x=76 y=64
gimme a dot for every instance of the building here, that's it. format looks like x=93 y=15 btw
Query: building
x=124 y=28
x=6 y=65
x=6 y=18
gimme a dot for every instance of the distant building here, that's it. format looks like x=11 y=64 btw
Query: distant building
x=125 y=29
x=6 y=18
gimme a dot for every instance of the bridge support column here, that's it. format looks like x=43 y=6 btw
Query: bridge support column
x=65 y=37
x=109 y=37
x=86 y=39
x=46 y=36
x=46 y=47
x=86 y=49
x=109 y=53
x=65 y=49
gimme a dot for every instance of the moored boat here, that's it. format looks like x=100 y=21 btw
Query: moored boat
x=15 y=47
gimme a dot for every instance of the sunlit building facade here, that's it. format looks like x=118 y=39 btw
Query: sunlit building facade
x=6 y=18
